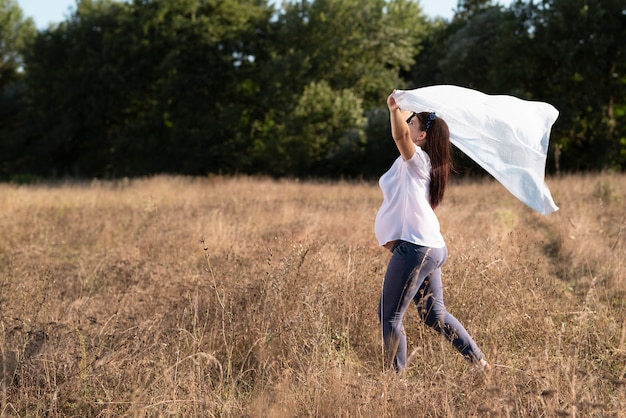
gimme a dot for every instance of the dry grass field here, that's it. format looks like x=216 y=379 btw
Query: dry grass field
x=233 y=297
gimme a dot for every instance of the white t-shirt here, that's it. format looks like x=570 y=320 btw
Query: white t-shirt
x=405 y=212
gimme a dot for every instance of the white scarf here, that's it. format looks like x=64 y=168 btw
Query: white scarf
x=505 y=135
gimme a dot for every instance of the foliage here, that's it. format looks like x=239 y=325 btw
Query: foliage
x=584 y=73
x=139 y=88
x=566 y=52
x=326 y=127
x=16 y=34
x=238 y=86
x=371 y=43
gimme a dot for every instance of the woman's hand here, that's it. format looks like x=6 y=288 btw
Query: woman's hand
x=391 y=103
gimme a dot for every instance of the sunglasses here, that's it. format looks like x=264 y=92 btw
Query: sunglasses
x=431 y=117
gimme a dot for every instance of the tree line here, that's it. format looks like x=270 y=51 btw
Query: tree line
x=297 y=89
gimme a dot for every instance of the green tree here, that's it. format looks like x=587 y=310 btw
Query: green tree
x=76 y=93
x=195 y=86
x=479 y=49
x=336 y=46
x=325 y=136
x=143 y=87
x=566 y=52
x=581 y=57
x=466 y=9
x=470 y=50
x=16 y=33
x=354 y=44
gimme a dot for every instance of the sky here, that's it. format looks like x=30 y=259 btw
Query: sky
x=45 y=12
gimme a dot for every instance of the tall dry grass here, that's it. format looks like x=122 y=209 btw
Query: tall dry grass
x=252 y=297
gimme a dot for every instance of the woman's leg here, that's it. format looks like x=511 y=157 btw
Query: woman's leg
x=408 y=267
x=429 y=301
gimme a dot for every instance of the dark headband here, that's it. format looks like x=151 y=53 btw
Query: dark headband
x=431 y=117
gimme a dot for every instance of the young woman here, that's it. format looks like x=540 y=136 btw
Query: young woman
x=406 y=224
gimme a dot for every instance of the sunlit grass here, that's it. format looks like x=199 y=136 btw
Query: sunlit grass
x=253 y=297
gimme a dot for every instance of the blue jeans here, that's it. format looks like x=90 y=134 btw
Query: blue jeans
x=414 y=274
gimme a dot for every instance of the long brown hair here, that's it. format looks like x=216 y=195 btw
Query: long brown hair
x=439 y=149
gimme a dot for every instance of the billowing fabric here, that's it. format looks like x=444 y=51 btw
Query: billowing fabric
x=505 y=135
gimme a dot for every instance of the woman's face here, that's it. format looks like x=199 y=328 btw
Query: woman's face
x=418 y=135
